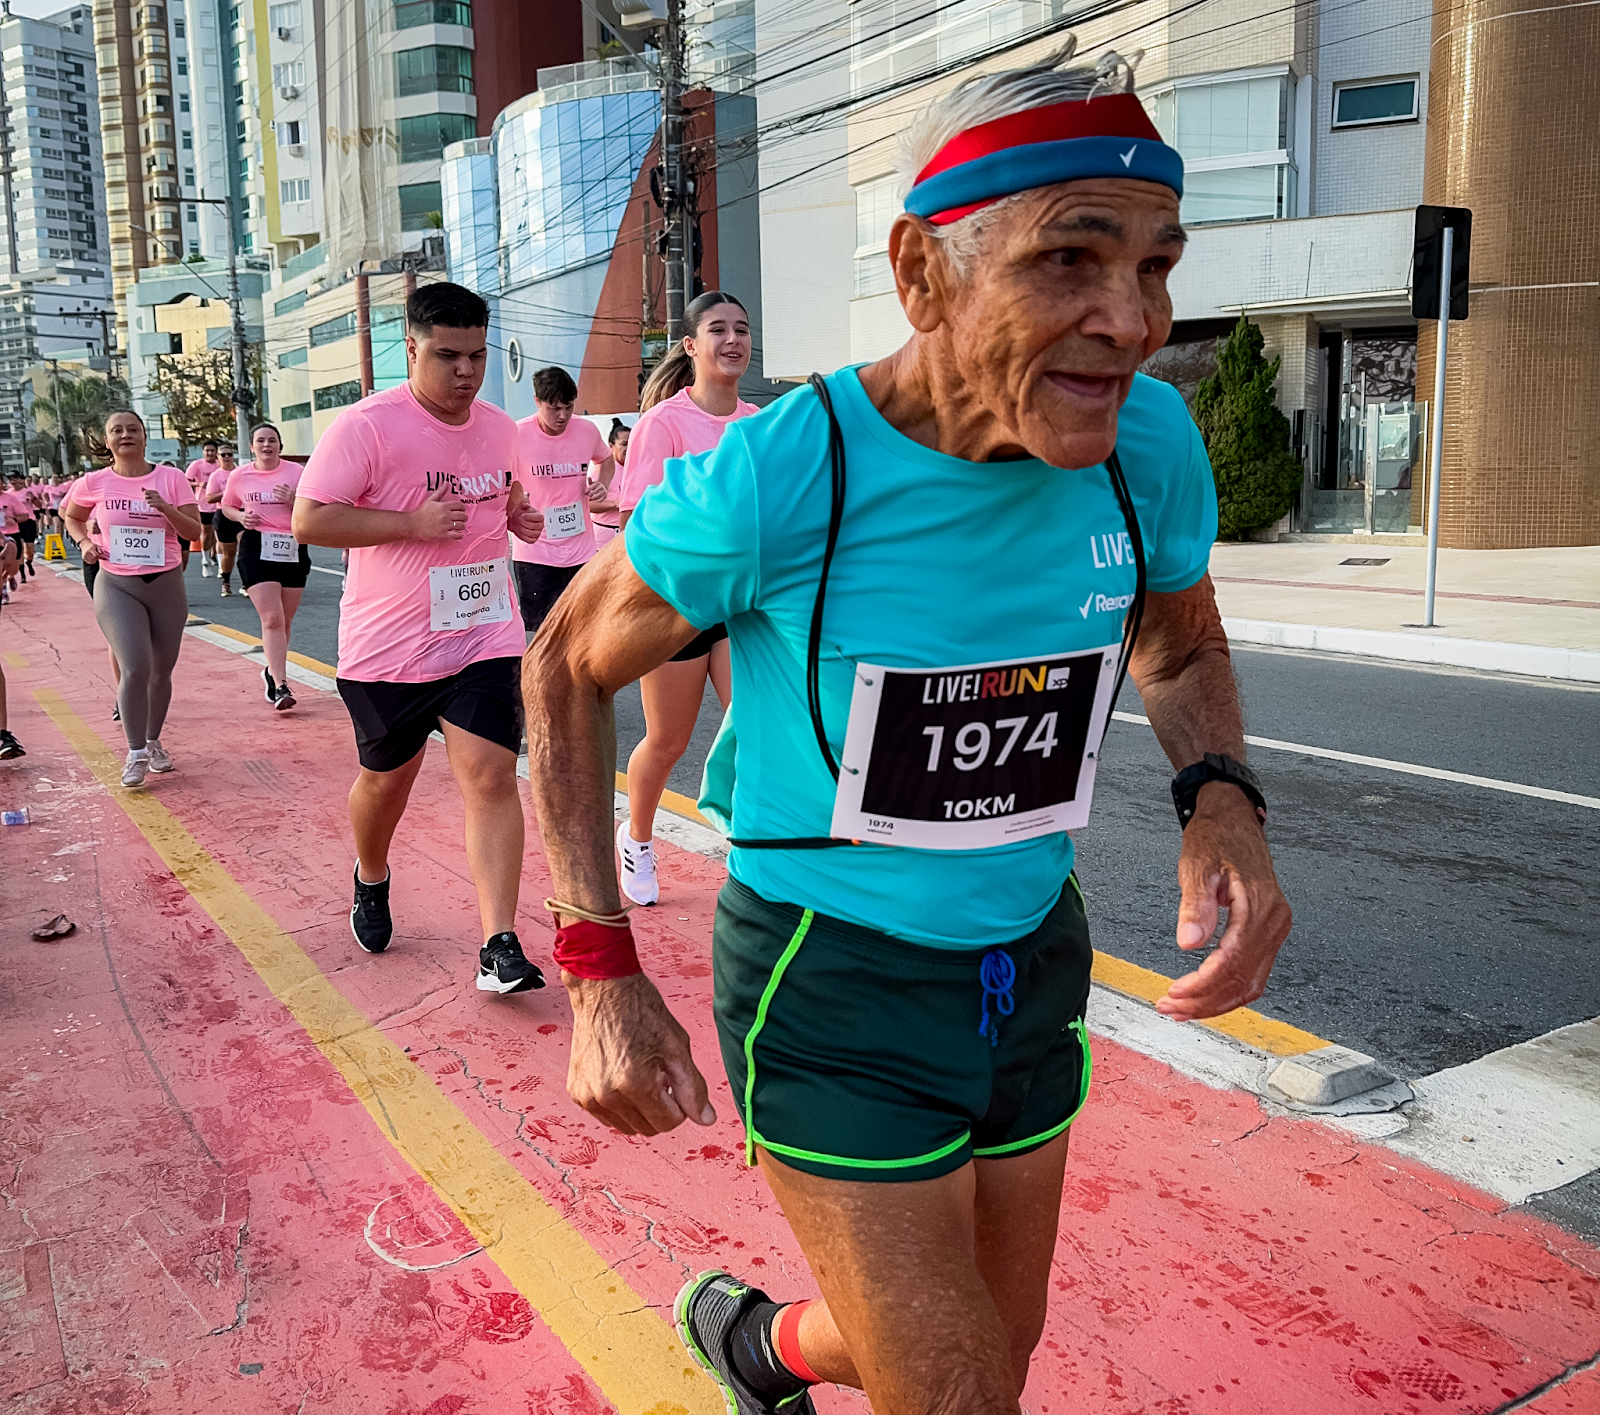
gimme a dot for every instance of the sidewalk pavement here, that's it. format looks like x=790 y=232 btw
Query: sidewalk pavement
x=244 y=1165
x=1519 y=611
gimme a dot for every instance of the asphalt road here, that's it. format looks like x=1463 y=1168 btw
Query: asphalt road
x=1434 y=921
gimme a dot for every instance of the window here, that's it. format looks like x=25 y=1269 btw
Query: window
x=183 y=103
x=244 y=169
x=1234 y=134
x=408 y=14
x=295 y=189
x=188 y=176
x=424 y=139
x=1361 y=105
x=188 y=142
x=177 y=28
x=193 y=214
x=296 y=412
x=283 y=16
x=338 y=395
x=288 y=75
x=289 y=305
x=893 y=39
x=877 y=205
x=183 y=68
x=289 y=134
x=436 y=69
x=294 y=358
x=332 y=330
x=420 y=206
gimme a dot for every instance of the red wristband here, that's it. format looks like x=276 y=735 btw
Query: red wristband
x=597 y=951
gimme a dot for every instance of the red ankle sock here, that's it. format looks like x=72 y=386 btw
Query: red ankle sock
x=786 y=1337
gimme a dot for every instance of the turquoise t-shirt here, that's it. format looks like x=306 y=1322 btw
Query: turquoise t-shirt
x=940 y=562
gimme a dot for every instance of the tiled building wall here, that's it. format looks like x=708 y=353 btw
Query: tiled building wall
x=1376 y=168
x=1511 y=136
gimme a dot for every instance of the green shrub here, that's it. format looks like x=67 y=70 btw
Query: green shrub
x=1246 y=436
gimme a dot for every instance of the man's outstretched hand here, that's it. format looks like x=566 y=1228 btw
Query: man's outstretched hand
x=630 y=1066
x=1225 y=864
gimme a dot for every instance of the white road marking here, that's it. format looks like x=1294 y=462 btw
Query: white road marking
x=322 y=570
x=1489 y=783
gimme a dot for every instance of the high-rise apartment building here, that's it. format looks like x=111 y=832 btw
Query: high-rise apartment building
x=147 y=128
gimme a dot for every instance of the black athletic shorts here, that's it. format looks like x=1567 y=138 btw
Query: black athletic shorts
x=207 y=517
x=253 y=570
x=90 y=570
x=393 y=720
x=700 y=645
x=854 y=1055
x=29 y=531
x=227 y=529
x=538 y=589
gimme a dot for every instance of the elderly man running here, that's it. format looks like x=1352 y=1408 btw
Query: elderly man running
x=931 y=569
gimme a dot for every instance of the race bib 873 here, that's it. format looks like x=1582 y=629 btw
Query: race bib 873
x=975 y=756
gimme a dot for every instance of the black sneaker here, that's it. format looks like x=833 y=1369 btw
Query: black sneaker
x=271 y=687
x=9 y=746
x=707 y=1310
x=369 y=915
x=283 y=699
x=503 y=968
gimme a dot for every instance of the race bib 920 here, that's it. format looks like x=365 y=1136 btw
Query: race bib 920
x=971 y=757
x=464 y=596
x=137 y=545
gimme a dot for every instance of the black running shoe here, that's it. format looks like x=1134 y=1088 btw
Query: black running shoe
x=707 y=1310
x=369 y=915
x=9 y=746
x=271 y=687
x=283 y=699
x=503 y=968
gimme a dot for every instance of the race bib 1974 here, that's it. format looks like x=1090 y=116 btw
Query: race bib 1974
x=976 y=756
x=464 y=596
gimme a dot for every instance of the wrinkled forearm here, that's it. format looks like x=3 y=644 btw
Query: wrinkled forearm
x=1185 y=675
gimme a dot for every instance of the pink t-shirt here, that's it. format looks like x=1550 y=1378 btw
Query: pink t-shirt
x=387 y=453
x=217 y=483
x=199 y=472
x=114 y=501
x=250 y=490
x=679 y=427
x=554 y=472
x=14 y=507
x=55 y=494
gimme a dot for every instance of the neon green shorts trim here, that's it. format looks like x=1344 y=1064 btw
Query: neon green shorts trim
x=854 y=1055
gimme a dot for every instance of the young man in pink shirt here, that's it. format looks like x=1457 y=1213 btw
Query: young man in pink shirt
x=199 y=473
x=556 y=451
x=418 y=484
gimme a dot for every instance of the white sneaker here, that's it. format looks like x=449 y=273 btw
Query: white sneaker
x=638 y=873
x=159 y=760
x=134 y=769
x=205 y=567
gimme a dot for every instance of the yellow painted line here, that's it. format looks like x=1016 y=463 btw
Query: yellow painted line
x=624 y=1346
x=674 y=801
x=1264 y=1033
x=316 y=665
x=14 y=660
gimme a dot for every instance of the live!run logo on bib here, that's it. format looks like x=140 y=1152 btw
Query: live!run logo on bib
x=970 y=757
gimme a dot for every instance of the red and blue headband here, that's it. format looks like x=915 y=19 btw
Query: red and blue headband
x=1111 y=136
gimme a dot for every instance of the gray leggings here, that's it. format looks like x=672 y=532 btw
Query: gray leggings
x=143 y=622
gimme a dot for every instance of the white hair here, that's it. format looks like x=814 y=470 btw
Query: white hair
x=985 y=97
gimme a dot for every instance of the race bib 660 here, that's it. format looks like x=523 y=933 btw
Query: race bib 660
x=463 y=596
x=975 y=756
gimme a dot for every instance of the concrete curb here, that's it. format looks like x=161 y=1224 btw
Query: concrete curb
x=1533 y=660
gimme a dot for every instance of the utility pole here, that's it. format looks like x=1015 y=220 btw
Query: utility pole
x=364 y=329
x=61 y=422
x=243 y=398
x=679 y=240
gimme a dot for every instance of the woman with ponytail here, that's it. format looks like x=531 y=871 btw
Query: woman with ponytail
x=686 y=405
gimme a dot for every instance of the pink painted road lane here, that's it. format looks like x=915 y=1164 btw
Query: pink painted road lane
x=197 y=1210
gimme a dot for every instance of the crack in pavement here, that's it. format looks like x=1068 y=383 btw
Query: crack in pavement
x=1554 y=1383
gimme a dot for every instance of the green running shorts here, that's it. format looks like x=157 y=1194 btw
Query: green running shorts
x=854 y=1055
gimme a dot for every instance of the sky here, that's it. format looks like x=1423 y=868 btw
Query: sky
x=42 y=9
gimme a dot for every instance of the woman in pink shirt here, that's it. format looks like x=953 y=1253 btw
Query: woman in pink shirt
x=227 y=531
x=272 y=563
x=607 y=514
x=685 y=407
x=143 y=514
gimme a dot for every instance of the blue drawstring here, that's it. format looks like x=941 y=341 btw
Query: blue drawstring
x=998 y=974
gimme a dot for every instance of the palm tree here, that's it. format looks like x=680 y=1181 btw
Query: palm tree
x=85 y=403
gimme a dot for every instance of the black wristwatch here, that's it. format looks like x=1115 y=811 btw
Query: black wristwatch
x=1212 y=767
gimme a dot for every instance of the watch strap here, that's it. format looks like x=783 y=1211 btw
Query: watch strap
x=1214 y=767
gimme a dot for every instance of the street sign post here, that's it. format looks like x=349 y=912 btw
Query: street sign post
x=1440 y=259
